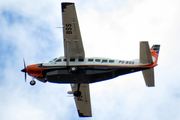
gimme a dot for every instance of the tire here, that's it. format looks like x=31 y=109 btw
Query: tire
x=77 y=93
x=32 y=82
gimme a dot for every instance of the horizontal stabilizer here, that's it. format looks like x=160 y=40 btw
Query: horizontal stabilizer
x=145 y=53
x=149 y=77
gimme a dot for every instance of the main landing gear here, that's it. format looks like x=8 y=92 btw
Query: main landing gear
x=74 y=69
x=77 y=93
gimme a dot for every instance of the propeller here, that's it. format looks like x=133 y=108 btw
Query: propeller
x=24 y=70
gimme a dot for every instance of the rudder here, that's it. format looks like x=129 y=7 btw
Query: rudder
x=155 y=52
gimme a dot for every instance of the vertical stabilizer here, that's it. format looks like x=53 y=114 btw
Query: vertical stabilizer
x=149 y=56
x=145 y=53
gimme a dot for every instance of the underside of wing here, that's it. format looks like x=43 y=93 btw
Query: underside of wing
x=83 y=102
x=73 y=46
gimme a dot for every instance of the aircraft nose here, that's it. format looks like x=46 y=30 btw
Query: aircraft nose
x=23 y=70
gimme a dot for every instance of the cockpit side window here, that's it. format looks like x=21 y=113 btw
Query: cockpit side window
x=59 y=60
x=53 y=60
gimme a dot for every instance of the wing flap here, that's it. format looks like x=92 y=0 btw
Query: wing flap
x=83 y=102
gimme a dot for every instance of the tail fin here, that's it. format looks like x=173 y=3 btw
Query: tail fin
x=149 y=56
x=145 y=53
x=155 y=52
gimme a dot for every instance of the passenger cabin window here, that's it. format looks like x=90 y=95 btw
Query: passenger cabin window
x=111 y=61
x=97 y=60
x=64 y=60
x=81 y=60
x=103 y=61
x=90 y=60
x=59 y=60
x=72 y=60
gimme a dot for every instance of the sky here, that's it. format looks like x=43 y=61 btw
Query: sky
x=109 y=28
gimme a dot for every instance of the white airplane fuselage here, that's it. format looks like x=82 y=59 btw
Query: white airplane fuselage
x=86 y=70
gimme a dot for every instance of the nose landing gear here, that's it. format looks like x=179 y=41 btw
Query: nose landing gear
x=32 y=82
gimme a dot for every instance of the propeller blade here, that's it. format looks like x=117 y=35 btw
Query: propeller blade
x=24 y=63
x=24 y=70
x=25 y=76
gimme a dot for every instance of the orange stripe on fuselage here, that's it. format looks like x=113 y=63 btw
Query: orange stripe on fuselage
x=135 y=66
x=109 y=65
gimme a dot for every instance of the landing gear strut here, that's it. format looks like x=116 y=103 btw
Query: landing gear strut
x=77 y=93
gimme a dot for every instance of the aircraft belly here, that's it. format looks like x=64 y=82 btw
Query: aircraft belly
x=87 y=76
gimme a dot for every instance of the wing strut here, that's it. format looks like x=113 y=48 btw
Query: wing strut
x=67 y=50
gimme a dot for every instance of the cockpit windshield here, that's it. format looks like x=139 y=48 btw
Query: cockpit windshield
x=53 y=60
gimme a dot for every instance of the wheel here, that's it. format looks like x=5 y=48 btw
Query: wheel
x=32 y=82
x=73 y=69
x=77 y=93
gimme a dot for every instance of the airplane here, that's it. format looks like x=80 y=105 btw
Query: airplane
x=80 y=71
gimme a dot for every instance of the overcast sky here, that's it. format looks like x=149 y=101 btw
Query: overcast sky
x=109 y=28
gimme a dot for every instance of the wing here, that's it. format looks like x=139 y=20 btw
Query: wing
x=83 y=102
x=73 y=46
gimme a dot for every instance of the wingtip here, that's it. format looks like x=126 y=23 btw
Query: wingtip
x=82 y=115
x=64 y=4
x=67 y=3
